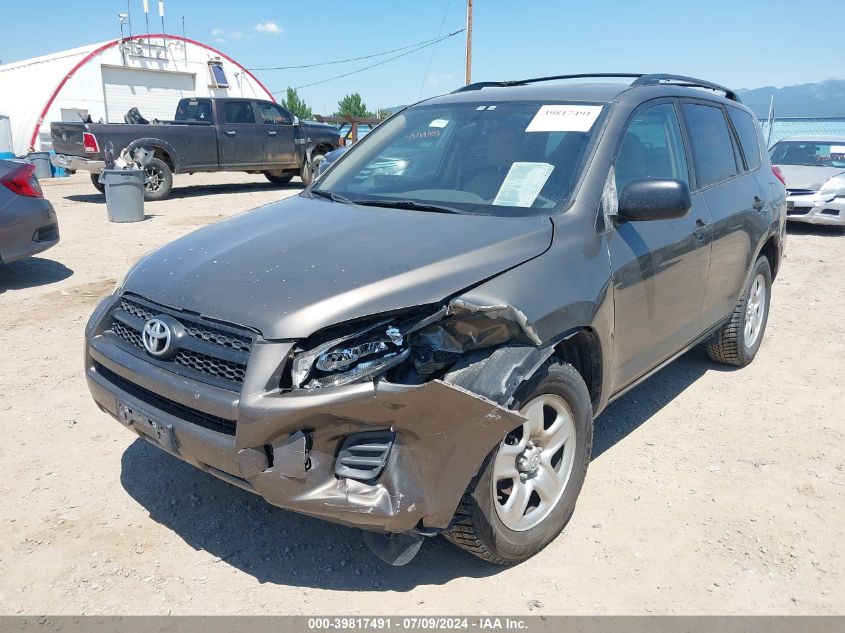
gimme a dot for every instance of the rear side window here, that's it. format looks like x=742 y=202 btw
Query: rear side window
x=194 y=111
x=652 y=148
x=745 y=127
x=712 y=148
x=239 y=112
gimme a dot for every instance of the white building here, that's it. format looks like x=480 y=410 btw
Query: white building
x=105 y=80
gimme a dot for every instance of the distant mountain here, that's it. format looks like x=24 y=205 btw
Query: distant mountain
x=825 y=98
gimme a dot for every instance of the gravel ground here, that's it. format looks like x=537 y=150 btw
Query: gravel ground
x=711 y=491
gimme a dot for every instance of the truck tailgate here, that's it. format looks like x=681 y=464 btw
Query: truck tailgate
x=67 y=138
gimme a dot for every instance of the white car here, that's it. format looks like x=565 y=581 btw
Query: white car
x=813 y=168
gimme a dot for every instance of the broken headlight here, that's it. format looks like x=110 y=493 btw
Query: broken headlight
x=351 y=358
x=833 y=188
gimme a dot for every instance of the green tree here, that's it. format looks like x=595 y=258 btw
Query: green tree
x=383 y=113
x=297 y=106
x=352 y=105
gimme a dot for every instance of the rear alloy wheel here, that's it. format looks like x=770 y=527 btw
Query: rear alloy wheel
x=95 y=179
x=526 y=490
x=738 y=341
x=158 y=180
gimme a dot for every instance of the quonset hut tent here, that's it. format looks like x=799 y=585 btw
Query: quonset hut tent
x=105 y=80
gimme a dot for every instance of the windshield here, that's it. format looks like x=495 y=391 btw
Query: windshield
x=510 y=158
x=814 y=153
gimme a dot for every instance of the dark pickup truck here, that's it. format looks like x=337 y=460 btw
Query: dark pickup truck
x=207 y=134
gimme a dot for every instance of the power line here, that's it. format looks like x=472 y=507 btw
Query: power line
x=359 y=70
x=353 y=59
x=434 y=50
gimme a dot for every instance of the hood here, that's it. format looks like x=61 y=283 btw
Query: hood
x=808 y=177
x=291 y=268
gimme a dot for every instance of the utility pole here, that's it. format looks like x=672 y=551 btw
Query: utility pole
x=469 y=43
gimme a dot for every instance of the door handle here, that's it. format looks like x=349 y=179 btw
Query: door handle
x=700 y=230
x=271 y=133
x=758 y=203
x=230 y=132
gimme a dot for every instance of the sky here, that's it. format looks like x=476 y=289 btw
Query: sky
x=738 y=43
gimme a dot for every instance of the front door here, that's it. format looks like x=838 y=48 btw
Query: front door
x=659 y=267
x=241 y=138
x=278 y=135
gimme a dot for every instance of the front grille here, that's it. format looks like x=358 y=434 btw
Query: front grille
x=194 y=416
x=798 y=211
x=212 y=353
x=800 y=192
x=211 y=366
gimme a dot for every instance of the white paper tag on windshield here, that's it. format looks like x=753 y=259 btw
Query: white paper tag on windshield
x=564 y=118
x=439 y=123
x=523 y=184
x=837 y=149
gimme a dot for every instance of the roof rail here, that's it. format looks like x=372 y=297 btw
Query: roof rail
x=681 y=80
x=521 y=82
x=640 y=79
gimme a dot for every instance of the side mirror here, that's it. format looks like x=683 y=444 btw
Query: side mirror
x=654 y=199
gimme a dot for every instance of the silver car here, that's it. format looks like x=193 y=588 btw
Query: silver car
x=28 y=223
x=813 y=169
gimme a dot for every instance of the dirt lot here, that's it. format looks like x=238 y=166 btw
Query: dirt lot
x=711 y=491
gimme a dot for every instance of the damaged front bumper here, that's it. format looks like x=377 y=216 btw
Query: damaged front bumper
x=816 y=209
x=284 y=446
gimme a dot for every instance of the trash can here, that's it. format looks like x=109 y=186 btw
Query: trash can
x=124 y=194
x=41 y=160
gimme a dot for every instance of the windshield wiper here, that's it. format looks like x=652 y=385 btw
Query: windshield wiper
x=409 y=204
x=331 y=195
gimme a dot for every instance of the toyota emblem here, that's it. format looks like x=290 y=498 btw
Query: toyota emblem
x=157 y=337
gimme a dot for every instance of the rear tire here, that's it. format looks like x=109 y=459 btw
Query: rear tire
x=95 y=179
x=738 y=341
x=278 y=178
x=493 y=529
x=159 y=180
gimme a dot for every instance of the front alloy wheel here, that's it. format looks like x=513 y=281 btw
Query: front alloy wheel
x=534 y=463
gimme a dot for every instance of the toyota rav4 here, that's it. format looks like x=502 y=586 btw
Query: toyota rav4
x=419 y=342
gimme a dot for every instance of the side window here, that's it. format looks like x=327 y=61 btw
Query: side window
x=272 y=114
x=194 y=111
x=712 y=148
x=652 y=148
x=746 y=130
x=239 y=112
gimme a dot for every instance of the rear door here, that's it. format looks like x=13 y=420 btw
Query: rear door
x=659 y=268
x=734 y=199
x=278 y=135
x=241 y=136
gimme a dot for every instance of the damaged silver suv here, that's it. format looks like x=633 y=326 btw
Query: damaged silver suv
x=419 y=342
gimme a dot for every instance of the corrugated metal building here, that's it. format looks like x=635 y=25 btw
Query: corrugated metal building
x=105 y=80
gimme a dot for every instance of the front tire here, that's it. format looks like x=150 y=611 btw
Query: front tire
x=738 y=341
x=309 y=168
x=278 y=177
x=526 y=490
x=159 y=180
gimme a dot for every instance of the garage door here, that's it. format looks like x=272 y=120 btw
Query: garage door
x=155 y=93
